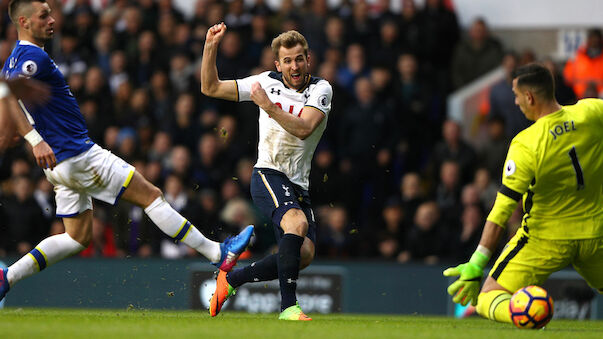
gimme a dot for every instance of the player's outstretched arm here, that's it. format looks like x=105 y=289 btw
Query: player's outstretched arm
x=466 y=288
x=44 y=155
x=211 y=85
x=300 y=126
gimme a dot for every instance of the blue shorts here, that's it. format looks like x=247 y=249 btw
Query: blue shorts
x=274 y=195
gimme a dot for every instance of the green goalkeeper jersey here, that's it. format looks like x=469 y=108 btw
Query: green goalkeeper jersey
x=556 y=165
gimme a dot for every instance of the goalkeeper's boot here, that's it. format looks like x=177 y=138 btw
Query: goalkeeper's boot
x=232 y=248
x=222 y=293
x=294 y=313
x=4 y=286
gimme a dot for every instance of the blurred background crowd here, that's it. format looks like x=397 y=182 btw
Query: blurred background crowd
x=392 y=178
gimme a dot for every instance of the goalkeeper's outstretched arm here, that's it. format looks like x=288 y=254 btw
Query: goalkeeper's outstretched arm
x=466 y=288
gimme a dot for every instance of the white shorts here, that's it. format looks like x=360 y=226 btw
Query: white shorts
x=96 y=173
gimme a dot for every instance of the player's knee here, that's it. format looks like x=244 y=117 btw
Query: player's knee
x=82 y=237
x=294 y=221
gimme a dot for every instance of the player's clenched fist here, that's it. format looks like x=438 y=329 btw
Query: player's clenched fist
x=215 y=33
x=259 y=96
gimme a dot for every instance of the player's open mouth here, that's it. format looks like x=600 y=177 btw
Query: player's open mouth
x=296 y=76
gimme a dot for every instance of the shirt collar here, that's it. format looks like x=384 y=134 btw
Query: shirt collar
x=28 y=43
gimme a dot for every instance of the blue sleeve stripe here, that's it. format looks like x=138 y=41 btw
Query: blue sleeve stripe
x=39 y=257
x=183 y=231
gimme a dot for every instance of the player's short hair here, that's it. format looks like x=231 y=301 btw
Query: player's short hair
x=538 y=78
x=15 y=8
x=289 y=39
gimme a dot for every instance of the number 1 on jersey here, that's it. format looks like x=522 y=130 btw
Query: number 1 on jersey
x=577 y=168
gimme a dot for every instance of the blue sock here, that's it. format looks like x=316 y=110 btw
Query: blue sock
x=288 y=267
x=263 y=270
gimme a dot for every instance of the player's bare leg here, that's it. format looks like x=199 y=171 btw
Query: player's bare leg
x=493 y=301
x=78 y=233
x=147 y=196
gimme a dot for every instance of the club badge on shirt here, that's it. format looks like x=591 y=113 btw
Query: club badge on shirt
x=29 y=67
x=323 y=101
x=510 y=167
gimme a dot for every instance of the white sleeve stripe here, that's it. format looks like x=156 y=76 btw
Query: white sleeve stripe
x=29 y=117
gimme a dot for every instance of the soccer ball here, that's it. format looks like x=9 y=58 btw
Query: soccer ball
x=531 y=307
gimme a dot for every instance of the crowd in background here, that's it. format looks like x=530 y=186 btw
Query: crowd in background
x=392 y=178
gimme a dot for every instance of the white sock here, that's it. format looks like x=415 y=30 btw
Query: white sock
x=177 y=227
x=48 y=252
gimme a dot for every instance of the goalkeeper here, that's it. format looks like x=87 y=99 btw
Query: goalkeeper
x=556 y=166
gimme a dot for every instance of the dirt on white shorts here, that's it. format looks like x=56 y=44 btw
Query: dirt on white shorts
x=96 y=173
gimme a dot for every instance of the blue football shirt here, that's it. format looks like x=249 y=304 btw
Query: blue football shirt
x=59 y=121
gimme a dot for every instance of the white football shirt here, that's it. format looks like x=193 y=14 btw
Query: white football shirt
x=277 y=148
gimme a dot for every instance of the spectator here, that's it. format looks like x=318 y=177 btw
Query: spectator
x=367 y=126
x=447 y=193
x=25 y=222
x=486 y=188
x=69 y=59
x=210 y=168
x=118 y=70
x=230 y=61
x=385 y=49
x=425 y=241
x=360 y=26
x=415 y=121
x=128 y=31
x=502 y=100
x=391 y=238
x=476 y=55
x=563 y=92
x=334 y=239
x=146 y=61
x=181 y=73
x=412 y=196
x=355 y=67
x=463 y=243
x=185 y=129
x=494 y=151
x=326 y=182
x=586 y=67
x=438 y=36
x=335 y=35
x=313 y=23
x=103 y=242
x=177 y=197
x=259 y=38
x=454 y=148
x=409 y=27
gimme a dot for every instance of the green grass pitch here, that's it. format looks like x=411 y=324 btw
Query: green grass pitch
x=134 y=323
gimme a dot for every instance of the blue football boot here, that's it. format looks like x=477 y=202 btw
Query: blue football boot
x=232 y=248
x=4 y=286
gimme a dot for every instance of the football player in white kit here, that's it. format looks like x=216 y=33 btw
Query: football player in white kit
x=294 y=107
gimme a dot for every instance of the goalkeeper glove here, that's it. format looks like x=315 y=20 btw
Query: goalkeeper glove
x=466 y=288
